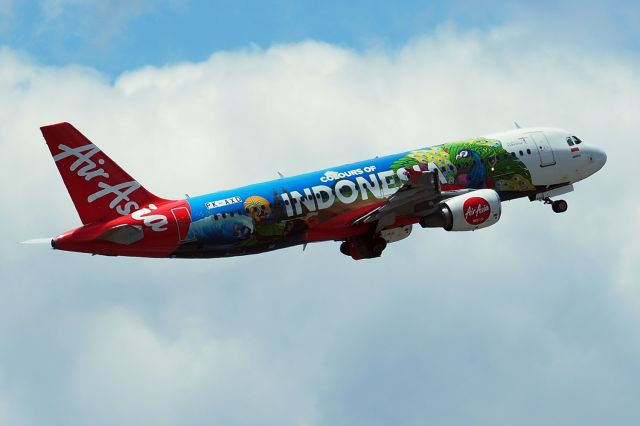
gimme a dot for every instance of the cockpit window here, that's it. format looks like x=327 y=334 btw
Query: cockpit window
x=576 y=140
x=570 y=141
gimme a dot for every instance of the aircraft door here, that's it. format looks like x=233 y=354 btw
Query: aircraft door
x=183 y=219
x=542 y=145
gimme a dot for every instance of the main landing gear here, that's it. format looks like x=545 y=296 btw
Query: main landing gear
x=363 y=247
x=558 y=206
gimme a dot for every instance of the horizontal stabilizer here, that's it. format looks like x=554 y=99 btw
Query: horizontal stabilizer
x=37 y=241
x=123 y=234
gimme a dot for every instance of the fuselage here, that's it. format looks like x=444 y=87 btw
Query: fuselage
x=323 y=205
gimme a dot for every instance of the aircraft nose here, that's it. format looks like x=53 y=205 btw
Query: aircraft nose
x=598 y=157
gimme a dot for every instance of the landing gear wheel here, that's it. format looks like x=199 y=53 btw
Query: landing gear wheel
x=377 y=246
x=559 y=206
x=345 y=248
x=363 y=247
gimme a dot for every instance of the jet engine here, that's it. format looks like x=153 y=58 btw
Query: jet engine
x=467 y=212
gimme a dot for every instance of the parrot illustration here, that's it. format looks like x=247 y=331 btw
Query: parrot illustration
x=478 y=174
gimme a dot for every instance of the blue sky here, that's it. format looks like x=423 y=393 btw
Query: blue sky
x=114 y=36
x=143 y=32
x=531 y=321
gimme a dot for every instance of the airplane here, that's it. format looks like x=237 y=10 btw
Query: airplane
x=457 y=186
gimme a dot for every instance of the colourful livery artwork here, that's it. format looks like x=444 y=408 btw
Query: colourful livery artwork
x=365 y=205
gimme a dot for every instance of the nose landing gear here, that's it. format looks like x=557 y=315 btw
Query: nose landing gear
x=558 y=206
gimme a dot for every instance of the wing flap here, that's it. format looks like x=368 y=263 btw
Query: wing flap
x=417 y=197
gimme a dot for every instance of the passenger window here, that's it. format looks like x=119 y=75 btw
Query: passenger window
x=576 y=140
x=528 y=151
x=513 y=154
x=570 y=141
x=521 y=153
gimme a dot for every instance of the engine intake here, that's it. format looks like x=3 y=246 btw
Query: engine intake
x=467 y=212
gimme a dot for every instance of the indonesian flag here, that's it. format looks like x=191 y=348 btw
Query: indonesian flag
x=575 y=149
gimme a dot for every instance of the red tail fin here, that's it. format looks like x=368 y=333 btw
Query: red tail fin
x=99 y=188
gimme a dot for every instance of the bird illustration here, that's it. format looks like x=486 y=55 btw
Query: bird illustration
x=478 y=174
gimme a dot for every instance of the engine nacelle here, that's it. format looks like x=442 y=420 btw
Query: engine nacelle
x=467 y=212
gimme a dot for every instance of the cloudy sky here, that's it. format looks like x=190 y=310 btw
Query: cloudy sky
x=532 y=321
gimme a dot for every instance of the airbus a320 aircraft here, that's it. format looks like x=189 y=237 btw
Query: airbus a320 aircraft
x=457 y=186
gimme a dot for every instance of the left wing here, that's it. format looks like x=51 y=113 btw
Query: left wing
x=419 y=196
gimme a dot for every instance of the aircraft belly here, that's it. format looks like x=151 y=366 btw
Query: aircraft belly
x=213 y=249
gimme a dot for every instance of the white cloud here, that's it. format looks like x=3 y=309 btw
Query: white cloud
x=131 y=374
x=484 y=327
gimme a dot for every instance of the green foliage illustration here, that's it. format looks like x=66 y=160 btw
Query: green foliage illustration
x=403 y=162
x=483 y=159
